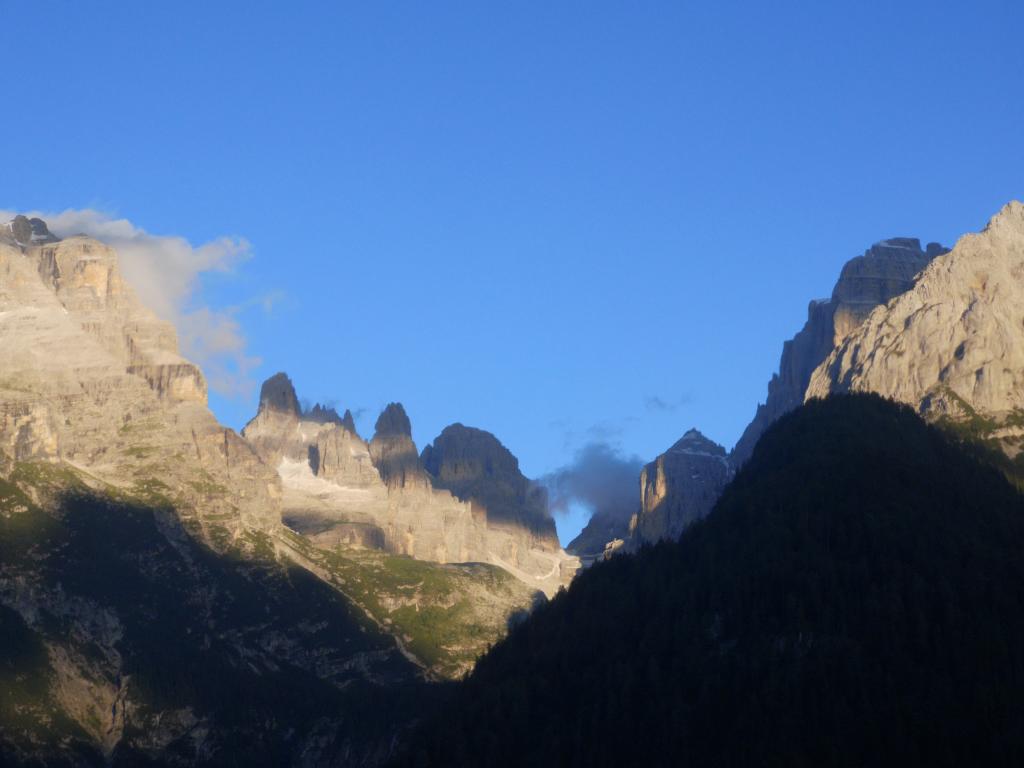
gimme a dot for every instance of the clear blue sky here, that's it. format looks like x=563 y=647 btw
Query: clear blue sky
x=536 y=218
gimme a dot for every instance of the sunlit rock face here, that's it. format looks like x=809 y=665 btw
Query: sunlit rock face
x=678 y=488
x=91 y=377
x=953 y=345
x=674 y=490
x=340 y=490
x=884 y=271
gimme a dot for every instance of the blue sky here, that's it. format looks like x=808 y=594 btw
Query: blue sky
x=562 y=222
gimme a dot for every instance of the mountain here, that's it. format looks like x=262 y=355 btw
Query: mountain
x=125 y=641
x=464 y=500
x=476 y=467
x=679 y=488
x=92 y=379
x=674 y=494
x=952 y=346
x=854 y=598
x=602 y=536
x=886 y=270
x=156 y=607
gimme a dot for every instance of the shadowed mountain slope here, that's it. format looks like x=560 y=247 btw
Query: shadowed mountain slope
x=856 y=597
x=125 y=642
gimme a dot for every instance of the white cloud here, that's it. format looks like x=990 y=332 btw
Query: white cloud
x=164 y=270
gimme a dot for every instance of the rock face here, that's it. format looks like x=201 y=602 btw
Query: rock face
x=22 y=231
x=394 y=452
x=953 y=345
x=679 y=487
x=91 y=378
x=601 y=537
x=475 y=466
x=122 y=639
x=887 y=269
x=339 y=490
x=674 y=493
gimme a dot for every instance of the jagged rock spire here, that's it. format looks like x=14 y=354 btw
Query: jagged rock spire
x=348 y=422
x=393 y=421
x=322 y=414
x=278 y=394
x=25 y=231
x=393 y=451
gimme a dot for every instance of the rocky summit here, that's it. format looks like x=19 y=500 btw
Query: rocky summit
x=463 y=501
x=476 y=467
x=681 y=486
x=91 y=379
x=952 y=346
x=678 y=488
x=884 y=271
x=146 y=575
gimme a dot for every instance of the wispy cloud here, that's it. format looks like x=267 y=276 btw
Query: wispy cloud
x=657 y=404
x=601 y=478
x=165 y=271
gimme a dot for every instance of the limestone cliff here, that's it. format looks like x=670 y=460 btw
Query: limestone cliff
x=394 y=452
x=679 y=487
x=673 y=491
x=342 y=491
x=476 y=467
x=885 y=270
x=953 y=345
x=91 y=378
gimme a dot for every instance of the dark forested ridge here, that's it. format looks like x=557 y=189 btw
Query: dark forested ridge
x=856 y=598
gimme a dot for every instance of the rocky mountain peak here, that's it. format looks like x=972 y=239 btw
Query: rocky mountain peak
x=93 y=378
x=467 y=452
x=693 y=441
x=348 y=422
x=322 y=414
x=474 y=465
x=393 y=450
x=949 y=346
x=341 y=491
x=392 y=422
x=1010 y=216
x=678 y=488
x=278 y=394
x=25 y=231
x=885 y=270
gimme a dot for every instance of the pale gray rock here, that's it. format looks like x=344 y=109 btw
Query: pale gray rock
x=674 y=491
x=953 y=345
x=91 y=378
x=679 y=488
x=884 y=271
x=339 y=490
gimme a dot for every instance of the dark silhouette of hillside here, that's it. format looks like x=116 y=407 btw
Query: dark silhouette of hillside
x=855 y=598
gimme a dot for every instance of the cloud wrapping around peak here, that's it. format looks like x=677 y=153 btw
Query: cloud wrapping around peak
x=600 y=478
x=164 y=271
